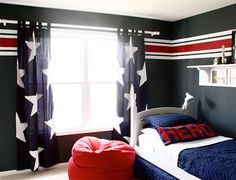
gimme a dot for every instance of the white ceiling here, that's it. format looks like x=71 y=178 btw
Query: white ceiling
x=168 y=10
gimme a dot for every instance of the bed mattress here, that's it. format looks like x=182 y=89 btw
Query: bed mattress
x=171 y=152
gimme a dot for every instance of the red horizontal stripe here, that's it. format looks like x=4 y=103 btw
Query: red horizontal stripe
x=163 y=49
x=8 y=42
x=12 y=42
x=204 y=46
x=190 y=47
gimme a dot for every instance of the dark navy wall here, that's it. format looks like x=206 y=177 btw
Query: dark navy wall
x=168 y=80
x=216 y=105
x=160 y=81
x=7 y=112
x=210 y=22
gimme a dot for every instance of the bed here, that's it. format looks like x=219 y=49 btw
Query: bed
x=214 y=157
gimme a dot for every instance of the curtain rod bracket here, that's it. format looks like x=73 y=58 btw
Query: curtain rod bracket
x=153 y=33
x=3 y=21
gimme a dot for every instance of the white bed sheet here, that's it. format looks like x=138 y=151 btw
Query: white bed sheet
x=171 y=152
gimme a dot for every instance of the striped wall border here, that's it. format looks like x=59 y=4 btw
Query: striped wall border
x=8 y=42
x=203 y=46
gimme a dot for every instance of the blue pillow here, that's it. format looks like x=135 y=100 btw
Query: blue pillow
x=168 y=120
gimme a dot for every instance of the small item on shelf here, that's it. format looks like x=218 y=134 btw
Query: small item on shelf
x=215 y=61
x=223 y=58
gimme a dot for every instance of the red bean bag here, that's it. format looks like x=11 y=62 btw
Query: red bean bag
x=94 y=158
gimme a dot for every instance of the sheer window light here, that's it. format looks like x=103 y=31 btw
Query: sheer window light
x=83 y=78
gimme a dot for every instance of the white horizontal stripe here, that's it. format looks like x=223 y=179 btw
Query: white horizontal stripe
x=8 y=36
x=190 y=52
x=8 y=53
x=210 y=65
x=213 y=55
x=157 y=53
x=203 y=41
x=158 y=44
x=8 y=48
x=189 y=56
x=189 y=43
x=158 y=40
x=194 y=38
x=8 y=31
x=211 y=35
x=159 y=57
x=203 y=51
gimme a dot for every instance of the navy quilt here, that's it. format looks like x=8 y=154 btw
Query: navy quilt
x=213 y=162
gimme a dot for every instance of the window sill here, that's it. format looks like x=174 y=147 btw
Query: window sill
x=83 y=130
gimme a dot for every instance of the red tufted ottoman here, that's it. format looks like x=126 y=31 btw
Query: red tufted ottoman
x=94 y=158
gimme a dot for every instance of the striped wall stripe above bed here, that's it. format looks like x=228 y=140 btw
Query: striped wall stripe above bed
x=203 y=46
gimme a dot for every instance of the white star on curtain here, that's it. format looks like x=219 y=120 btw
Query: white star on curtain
x=20 y=127
x=117 y=123
x=130 y=50
x=131 y=96
x=20 y=74
x=46 y=72
x=121 y=71
x=33 y=45
x=34 y=101
x=143 y=74
x=49 y=123
x=35 y=155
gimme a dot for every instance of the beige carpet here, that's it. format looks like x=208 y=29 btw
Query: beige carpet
x=57 y=172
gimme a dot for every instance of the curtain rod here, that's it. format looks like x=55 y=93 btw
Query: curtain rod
x=69 y=26
x=56 y=25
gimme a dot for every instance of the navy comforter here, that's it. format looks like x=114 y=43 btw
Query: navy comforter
x=217 y=161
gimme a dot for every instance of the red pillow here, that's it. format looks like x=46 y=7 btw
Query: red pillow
x=185 y=133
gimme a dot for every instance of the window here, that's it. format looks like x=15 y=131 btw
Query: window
x=83 y=78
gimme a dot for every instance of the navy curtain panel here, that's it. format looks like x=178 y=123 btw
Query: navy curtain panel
x=36 y=140
x=132 y=79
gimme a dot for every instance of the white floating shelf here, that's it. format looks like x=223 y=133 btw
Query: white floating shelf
x=222 y=75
